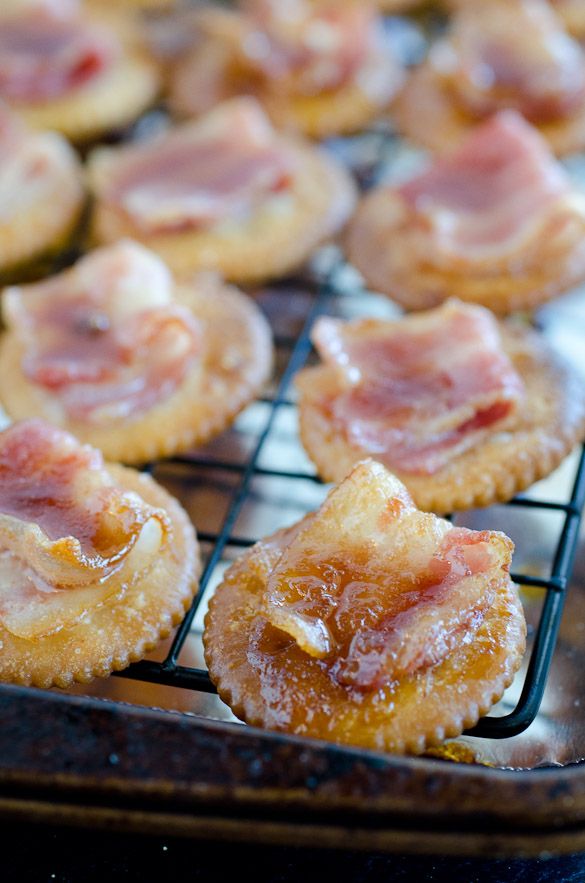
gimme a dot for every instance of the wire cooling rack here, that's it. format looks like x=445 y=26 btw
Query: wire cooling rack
x=333 y=287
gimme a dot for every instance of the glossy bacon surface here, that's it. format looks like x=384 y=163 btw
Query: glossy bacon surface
x=69 y=538
x=382 y=592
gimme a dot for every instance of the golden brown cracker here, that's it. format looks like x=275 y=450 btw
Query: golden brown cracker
x=251 y=663
x=128 y=624
x=234 y=365
x=549 y=423
x=274 y=241
x=384 y=245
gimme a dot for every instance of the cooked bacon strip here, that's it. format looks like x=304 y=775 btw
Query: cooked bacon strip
x=219 y=168
x=105 y=338
x=421 y=390
x=377 y=589
x=48 y=50
x=65 y=526
x=308 y=48
x=506 y=54
x=494 y=194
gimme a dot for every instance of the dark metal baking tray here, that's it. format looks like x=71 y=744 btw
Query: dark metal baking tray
x=155 y=749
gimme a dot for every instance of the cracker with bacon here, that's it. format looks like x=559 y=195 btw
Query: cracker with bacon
x=467 y=412
x=76 y=70
x=368 y=623
x=226 y=193
x=318 y=68
x=498 y=55
x=97 y=562
x=497 y=222
x=42 y=195
x=116 y=352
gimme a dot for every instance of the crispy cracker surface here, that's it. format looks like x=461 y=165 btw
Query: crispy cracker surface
x=44 y=227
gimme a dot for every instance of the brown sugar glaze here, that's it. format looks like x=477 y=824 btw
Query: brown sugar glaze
x=105 y=523
x=371 y=626
x=448 y=670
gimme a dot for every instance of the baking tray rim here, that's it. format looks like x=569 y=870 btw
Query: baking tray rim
x=172 y=773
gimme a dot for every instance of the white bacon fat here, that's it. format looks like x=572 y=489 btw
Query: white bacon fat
x=69 y=539
x=105 y=339
x=418 y=392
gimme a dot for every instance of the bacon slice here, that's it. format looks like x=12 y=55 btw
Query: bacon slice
x=494 y=195
x=105 y=338
x=69 y=538
x=512 y=55
x=422 y=390
x=308 y=48
x=47 y=50
x=379 y=590
x=219 y=168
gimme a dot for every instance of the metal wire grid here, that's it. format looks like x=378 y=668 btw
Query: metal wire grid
x=325 y=294
x=370 y=155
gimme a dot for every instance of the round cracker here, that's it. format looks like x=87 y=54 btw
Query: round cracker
x=549 y=423
x=426 y=112
x=211 y=75
x=36 y=230
x=383 y=246
x=107 y=103
x=274 y=241
x=268 y=681
x=233 y=367
x=128 y=624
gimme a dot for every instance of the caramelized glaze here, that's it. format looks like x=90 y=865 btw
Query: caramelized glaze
x=455 y=633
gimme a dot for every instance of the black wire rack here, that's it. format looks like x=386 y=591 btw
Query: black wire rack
x=332 y=286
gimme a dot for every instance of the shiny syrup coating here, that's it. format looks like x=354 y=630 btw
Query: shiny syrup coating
x=267 y=680
x=40 y=470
